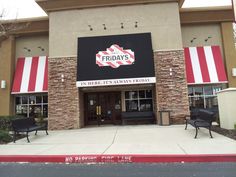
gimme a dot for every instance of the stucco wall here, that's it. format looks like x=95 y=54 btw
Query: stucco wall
x=161 y=19
x=32 y=43
x=6 y=73
x=201 y=33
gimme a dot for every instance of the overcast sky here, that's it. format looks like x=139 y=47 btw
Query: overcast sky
x=28 y=8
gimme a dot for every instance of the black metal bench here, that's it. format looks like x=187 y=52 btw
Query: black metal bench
x=137 y=116
x=201 y=118
x=26 y=125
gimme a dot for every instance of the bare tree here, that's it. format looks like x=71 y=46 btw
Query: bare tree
x=8 y=27
x=234 y=30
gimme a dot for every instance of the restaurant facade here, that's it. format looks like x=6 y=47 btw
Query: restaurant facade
x=91 y=61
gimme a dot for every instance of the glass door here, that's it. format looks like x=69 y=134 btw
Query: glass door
x=102 y=108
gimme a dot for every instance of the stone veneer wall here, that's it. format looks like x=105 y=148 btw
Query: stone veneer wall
x=171 y=90
x=63 y=97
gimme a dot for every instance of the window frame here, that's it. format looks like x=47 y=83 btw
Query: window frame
x=138 y=99
x=28 y=104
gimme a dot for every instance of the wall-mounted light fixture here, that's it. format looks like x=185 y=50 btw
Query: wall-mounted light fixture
x=41 y=48
x=136 y=25
x=104 y=26
x=27 y=49
x=209 y=37
x=62 y=78
x=3 y=84
x=234 y=72
x=90 y=28
x=121 y=25
x=193 y=40
x=171 y=72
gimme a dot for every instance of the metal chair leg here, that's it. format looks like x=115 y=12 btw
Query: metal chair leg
x=14 y=137
x=27 y=135
x=186 y=124
x=210 y=132
x=196 y=133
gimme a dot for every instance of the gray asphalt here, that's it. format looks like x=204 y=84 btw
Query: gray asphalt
x=118 y=170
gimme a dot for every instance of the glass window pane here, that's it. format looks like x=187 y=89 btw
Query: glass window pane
x=146 y=105
x=216 y=89
x=131 y=94
x=141 y=94
x=38 y=99
x=127 y=95
x=32 y=99
x=197 y=102
x=198 y=91
x=45 y=110
x=148 y=93
x=21 y=110
x=131 y=105
x=18 y=100
x=24 y=100
x=35 y=111
x=211 y=102
x=190 y=91
x=207 y=90
x=45 y=99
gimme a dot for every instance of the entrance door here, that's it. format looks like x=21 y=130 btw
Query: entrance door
x=102 y=108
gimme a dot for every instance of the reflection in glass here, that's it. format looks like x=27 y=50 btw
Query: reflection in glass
x=131 y=105
x=148 y=93
x=24 y=100
x=141 y=94
x=32 y=99
x=198 y=91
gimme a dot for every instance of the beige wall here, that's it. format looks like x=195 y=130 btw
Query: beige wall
x=227 y=111
x=7 y=57
x=201 y=32
x=230 y=51
x=161 y=19
x=32 y=43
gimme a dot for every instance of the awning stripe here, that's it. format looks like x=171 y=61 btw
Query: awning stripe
x=189 y=69
x=45 y=83
x=196 y=65
x=40 y=74
x=204 y=65
x=219 y=63
x=31 y=75
x=18 y=75
x=26 y=75
x=211 y=64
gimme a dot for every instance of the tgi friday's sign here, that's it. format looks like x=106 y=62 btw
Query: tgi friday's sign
x=115 y=60
x=115 y=56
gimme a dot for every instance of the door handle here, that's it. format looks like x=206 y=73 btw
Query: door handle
x=98 y=110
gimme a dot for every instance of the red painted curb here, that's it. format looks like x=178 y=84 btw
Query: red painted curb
x=119 y=158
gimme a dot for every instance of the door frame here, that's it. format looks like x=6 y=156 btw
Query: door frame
x=115 y=113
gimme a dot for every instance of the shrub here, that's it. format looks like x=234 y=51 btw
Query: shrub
x=5 y=137
x=5 y=122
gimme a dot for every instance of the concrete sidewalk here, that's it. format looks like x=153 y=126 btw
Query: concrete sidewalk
x=135 y=139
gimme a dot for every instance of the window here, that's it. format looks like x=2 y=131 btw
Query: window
x=32 y=105
x=204 y=96
x=138 y=100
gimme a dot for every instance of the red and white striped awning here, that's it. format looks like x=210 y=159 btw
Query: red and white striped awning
x=204 y=65
x=31 y=75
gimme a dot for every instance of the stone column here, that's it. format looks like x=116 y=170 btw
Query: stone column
x=63 y=95
x=171 y=85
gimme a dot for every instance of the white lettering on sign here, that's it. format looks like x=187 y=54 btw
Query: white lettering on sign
x=115 y=56
x=98 y=159
x=128 y=81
